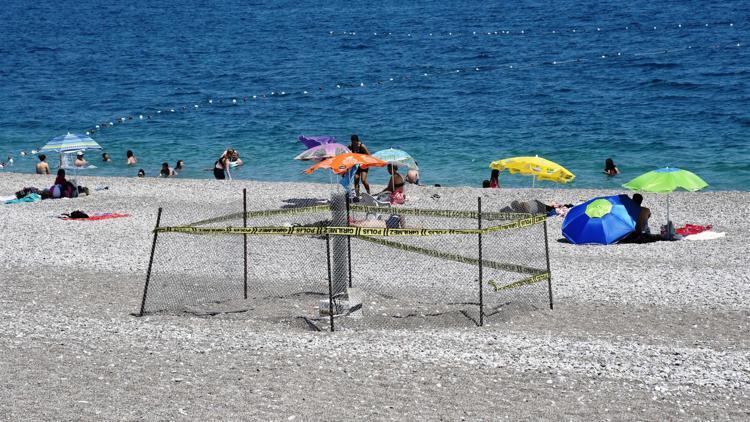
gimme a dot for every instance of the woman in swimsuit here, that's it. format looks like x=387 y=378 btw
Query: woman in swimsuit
x=395 y=188
x=221 y=166
x=359 y=148
x=609 y=168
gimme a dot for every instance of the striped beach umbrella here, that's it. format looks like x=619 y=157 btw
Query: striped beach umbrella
x=70 y=142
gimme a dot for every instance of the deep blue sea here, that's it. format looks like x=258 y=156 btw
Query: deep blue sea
x=457 y=84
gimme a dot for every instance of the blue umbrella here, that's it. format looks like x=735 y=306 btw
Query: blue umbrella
x=602 y=220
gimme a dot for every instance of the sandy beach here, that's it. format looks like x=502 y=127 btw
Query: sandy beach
x=651 y=332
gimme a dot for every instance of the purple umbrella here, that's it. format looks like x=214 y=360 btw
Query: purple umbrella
x=321 y=152
x=314 y=141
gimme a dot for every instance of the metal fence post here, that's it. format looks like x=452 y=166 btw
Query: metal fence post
x=330 y=284
x=481 y=295
x=349 y=241
x=244 y=224
x=549 y=271
x=150 y=263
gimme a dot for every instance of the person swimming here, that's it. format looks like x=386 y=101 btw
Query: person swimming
x=222 y=165
x=131 y=158
x=80 y=161
x=105 y=157
x=180 y=165
x=609 y=168
x=42 y=167
x=167 y=171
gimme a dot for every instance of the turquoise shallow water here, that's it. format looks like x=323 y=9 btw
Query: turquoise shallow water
x=553 y=85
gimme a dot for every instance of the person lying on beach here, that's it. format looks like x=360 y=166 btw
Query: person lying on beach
x=131 y=158
x=80 y=161
x=222 y=165
x=167 y=171
x=42 y=167
x=395 y=188
x=609 y=168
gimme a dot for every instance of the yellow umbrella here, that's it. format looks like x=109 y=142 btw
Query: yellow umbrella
x=535 y=166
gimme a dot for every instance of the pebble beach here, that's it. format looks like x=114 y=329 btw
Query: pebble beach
x=652 y=331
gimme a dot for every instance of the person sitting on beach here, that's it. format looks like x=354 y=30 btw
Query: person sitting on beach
x=64 y=188
x=80 y=161
x=221 y=166
x=495 y=179
x=167 y=171
x=179 y=166
x=412 y=176
x=141 y=173
x=42 y=167
x=395 y=188
x=359 y=148
x=609 y=168
x=641 y=226
x=131 y=158
x=105 y=157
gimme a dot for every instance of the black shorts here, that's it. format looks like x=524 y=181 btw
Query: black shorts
x=361 y=170
x=219 y=174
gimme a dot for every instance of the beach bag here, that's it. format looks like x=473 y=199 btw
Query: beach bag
x=56 y=191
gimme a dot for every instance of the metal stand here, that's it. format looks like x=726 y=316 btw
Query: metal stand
x=479 y=239
x=244 y=224
x=150 y=263
x=349 y=241
x=330 y=284
x=549 y=271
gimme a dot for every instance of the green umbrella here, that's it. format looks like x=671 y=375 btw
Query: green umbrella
x=666 y=180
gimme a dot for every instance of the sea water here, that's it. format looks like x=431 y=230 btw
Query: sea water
x=647 y=83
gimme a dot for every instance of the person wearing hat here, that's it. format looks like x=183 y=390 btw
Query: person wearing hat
x=80 y=161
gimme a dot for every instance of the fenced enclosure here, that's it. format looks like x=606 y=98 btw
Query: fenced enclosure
x=328 y=264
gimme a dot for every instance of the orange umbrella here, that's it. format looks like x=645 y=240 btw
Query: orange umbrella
x=342 y=163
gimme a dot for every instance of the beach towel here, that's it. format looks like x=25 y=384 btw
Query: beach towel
x=32 y=197
x=689 y=229
x=706 y=235
x=97 y=216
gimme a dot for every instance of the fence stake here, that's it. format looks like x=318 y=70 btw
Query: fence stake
x=150 y=263
x=244 y=224
x=330 y=285
x=349 y=241
x=481 y=295
x=549 y=271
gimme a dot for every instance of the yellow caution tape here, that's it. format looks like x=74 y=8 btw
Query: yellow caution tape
x=346 y=231
x=453 y=257
x=368 y=209
x=530 y=280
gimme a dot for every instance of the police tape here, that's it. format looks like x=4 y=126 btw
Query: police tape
x=345 y=231
x=526 y=281
x=443 y=213
x=452 y=256
x=415 y=212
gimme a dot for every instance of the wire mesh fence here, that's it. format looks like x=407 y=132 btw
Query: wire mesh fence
x=336 y=265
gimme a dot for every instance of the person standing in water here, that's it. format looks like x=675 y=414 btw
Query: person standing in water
x=609 y=168
x=221 y=166
x=359 y=148
x=42 y=167
x=131 y=158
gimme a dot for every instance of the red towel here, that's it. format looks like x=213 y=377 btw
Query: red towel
x=689 y=229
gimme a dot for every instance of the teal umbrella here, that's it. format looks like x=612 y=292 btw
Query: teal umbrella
x=397 y=157
x=666 y=180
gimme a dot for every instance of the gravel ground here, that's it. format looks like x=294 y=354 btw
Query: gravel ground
x=655 y=331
